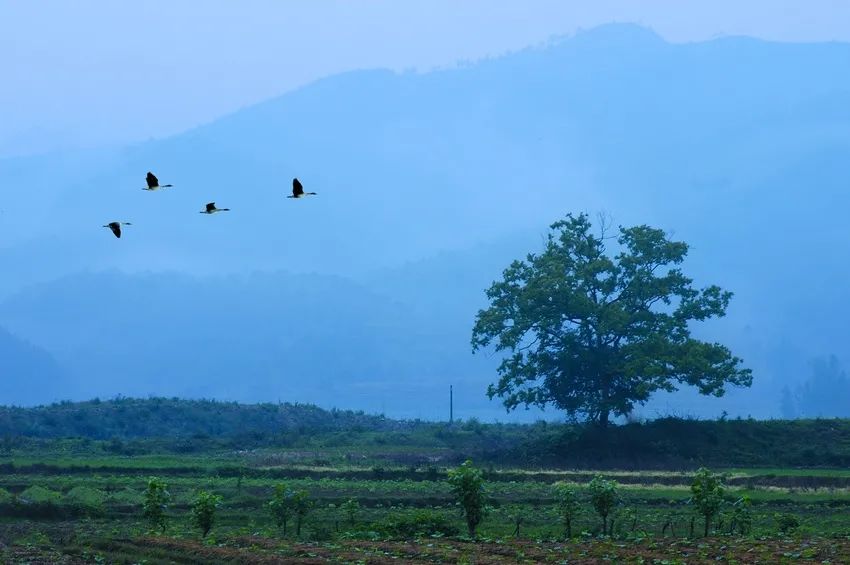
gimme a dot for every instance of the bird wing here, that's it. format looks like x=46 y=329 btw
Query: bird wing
x=116 y=228
x=152 y=180
x=210 y=206
x=297 y=189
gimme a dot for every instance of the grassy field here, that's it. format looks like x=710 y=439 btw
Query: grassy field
x=73 y=479
x=70 y=507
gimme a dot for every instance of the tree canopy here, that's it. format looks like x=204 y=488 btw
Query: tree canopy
x=595 y=332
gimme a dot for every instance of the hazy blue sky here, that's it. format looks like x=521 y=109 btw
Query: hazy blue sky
x=99 y=72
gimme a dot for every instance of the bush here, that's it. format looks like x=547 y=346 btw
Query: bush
x=707 y=495
x=420 y=523
x=85 y=500
x=742 y=516
x=282 y=506
x=126 y=496
x=155 y=503
x=203 y=511
x=467 y=485
x=302 y=505
x=39 y=495
x=603 y=497
x=787 y=523
x=350 y=508
x=84 y=496
x=567 y=506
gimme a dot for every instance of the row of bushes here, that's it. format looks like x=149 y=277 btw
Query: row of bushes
x=708 y=498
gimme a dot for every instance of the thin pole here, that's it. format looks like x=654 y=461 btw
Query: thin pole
x=451 y=405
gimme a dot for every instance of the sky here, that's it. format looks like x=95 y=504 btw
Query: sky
x=103 y=73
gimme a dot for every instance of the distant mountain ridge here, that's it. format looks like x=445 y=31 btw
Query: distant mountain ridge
x=29 y=374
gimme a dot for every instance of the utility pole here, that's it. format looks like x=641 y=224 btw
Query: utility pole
x=451 y=405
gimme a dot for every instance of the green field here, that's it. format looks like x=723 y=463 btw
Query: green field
x=80 y=509
x=72 y=487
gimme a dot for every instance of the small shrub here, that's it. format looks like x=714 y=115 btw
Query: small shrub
x=302 y=505
x=282 y=506
x=567 y=506
x=320 y=533
x=707 y=495
x=126 y=496
x=39 y=495
x=350 y=508
x=420 y=523
x=85 y=500
x=787 y=523
x=467 y=485
x=742 y=516
x=603 y=497
x=203 y=511
x=155 y=503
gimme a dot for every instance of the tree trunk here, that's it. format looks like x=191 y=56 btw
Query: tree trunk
x=707 y=522
x=298 y=527
x=604 y=418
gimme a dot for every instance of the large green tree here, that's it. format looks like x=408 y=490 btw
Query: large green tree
x=595 y=331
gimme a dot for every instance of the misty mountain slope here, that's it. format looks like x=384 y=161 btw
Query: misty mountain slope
x=259 y=337
x=410 y=164
x=28 y=374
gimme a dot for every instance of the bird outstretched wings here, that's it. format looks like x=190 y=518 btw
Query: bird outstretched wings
x=152 y=180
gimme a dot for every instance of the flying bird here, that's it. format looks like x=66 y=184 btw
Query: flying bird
x=211 y=209
x=153 y=182
x=116 y=227
x=298 y=190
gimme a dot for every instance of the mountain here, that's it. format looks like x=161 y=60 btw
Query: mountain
x=28 y=374
x=250 y=338
x=430 y=183
x=408 y=165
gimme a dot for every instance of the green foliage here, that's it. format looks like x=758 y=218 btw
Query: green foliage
x=669 y=442
x=126 y=496
x=122 y=419
x=420 y=523
x=603 y=497
x=302 y=504
x=787 y=523
x=40 y=495
x=282 y=506
x=568 y=506
x=203 y=511
x=467 y=485
x=707 y=495
x=595 y=333
x=350 y=508
x=742 y=516
x=155 y=503
x=86 y=498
